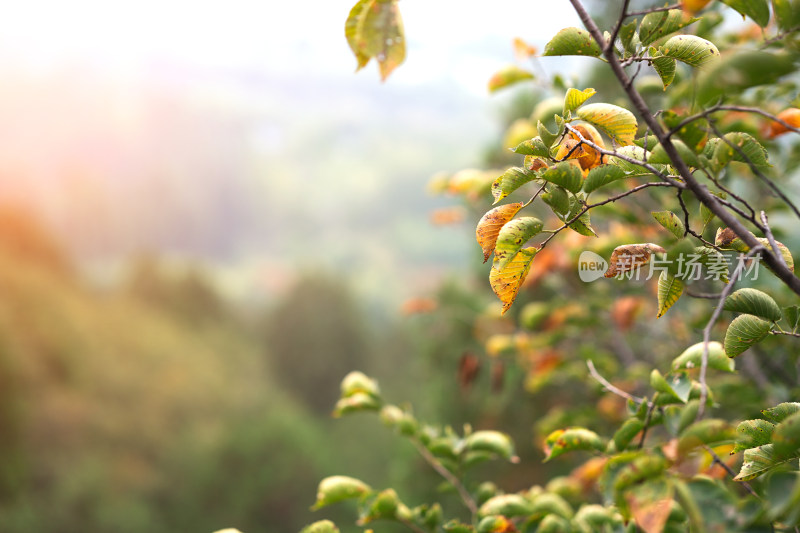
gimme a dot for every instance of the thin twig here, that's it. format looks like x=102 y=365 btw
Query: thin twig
x=529 y=202
x=449 y=476
x=653 y=10
x=587 y=207
x=611 y=388
x=647 y=418
x=743 y=109
x=623 y=15
x=730 y=472
x=714 y=316
x=789 y=333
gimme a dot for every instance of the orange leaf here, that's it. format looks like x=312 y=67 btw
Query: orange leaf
x=506 y=283
x=791 y=116
x=651 y=516
x=693 y=6
x=490 y=225
x=522 y=50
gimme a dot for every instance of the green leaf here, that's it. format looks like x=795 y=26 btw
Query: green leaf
x=512 y=237
x=491 y=441
x=507 y=77
x=753 y=302
x=582 y=224
x=665 y=67
x=602 y=175
x=558 y=200
x=693 y=134
x=572 y=42
x=506 y=505
x=356 y=403
x=690 y=49
x=710 y=431
x=670 y=222
x=791 y=316
x=547 y=137
x=572 y=439
x=384 y=506
x=626 y=433
x=786 y=436
x=747 y=145
x=753 y=433
x=657 y=25
x=564 y=174
x=781 y=412
x=783 y=497
x=642 y=468
x=548 y=504
x=758 y=10
x=454 y=526
x=322 y=526
x=737 y=72
x=374 y=29
x=743 y=332
x=575 y=98
x=758 y=461
x=659 y=155
x=787 y=13
x=692 y=358
x=553 y=524
x=670 y=289
x=678 y=386
x=626 y=36
x=339 y=488
x=535 y=147
x=511 y=180
x=617 y=122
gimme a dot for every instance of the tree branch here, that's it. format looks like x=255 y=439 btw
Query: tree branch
x=700 y=191
x=448 y=476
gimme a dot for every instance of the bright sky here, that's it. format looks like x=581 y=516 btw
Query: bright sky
x=447 y=38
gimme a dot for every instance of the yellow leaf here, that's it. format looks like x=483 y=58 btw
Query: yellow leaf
x=617 y=122
x=523 y=50
x=506 y=282
x=669 y=290
x=490 y=224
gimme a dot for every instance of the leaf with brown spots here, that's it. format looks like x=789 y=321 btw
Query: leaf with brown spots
x=506 y=282
x=490 y=224
x=374 y=29
x=571 y=439
x=630 y=256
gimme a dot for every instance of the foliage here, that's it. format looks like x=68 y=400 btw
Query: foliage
x=675 y=172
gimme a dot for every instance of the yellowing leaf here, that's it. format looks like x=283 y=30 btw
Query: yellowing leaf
x=661 y=23
x=692 y=357
x=374 y=29
x=575 y=98
x=617 y=122
x=506 y=282
x=670 y=289
x=512 y=237
x=630 y=256
x=572 y=42
x=690 y=49
x=490 y=224
x=508 y=76
x=670 y=222
x=522 y=50
x=511 y=180
x=665 y=68
x=572 y=439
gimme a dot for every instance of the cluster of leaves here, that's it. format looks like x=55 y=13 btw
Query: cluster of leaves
x=702 y=161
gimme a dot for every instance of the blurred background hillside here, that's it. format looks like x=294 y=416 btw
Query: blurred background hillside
x=206 y=220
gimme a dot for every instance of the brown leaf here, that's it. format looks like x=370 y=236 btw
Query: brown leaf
x=630 y=256
x=468 y=367
x=490 y=225
x=498 y=376
x=447 y=215
x=414 y=306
